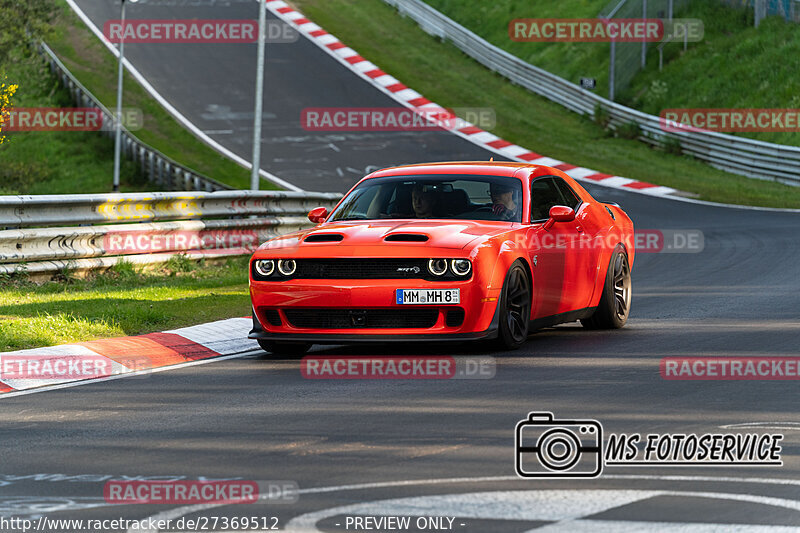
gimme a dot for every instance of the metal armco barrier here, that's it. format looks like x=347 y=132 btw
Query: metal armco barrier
x=97 y=230
x=158 y=168
x=737 y=155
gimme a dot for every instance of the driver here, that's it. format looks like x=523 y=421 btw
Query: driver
x=505 y=203
x=425 y=200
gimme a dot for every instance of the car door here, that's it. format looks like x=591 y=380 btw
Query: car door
x=555 y=255
x=586 y=254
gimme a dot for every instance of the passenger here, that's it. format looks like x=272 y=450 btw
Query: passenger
x=505 y=201
x=425 y=200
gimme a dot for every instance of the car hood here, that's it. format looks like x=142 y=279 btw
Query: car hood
x=455 y=234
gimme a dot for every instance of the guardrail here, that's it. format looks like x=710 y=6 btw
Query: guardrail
x=737 y=155
x=158 y=168
x=97 y=231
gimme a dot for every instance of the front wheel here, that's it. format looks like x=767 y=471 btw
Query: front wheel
x=284 y=348
x=515 y=309
x=615 y=302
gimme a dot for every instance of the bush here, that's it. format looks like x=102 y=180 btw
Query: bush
x=629 y=130
x=672 y=145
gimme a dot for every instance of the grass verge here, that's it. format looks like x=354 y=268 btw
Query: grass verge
x=96 y=68
x=444 y=74
x=56 y=162
x=123 y=301
x=736 y=65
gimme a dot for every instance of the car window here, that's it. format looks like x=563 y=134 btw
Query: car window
x=570 y=198
x=470 y=197
x=544 y=195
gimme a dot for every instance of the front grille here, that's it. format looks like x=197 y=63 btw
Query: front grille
x=273 y=317
x=361 y=268
x=361 y=318
x=455 y=317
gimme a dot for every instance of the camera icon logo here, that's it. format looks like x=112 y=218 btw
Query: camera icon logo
x=549 y=448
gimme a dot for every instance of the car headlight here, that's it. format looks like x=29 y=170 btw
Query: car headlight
x=287 y=266
x=265 y=267
x=460 y=267
x=437 y=267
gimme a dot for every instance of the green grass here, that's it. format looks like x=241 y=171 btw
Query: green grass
x=120 y=302
x=735 y=66
x=96 y=68
x=56 y=162
x=444 y=74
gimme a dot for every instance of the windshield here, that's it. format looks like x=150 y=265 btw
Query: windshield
x=450 y=197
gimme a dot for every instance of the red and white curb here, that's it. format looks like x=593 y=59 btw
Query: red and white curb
x=412 y=99
x=40 y=368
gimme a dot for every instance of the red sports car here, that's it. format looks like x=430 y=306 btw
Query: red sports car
x=444 y=252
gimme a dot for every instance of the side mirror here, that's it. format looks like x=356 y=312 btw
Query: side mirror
x=318 y=215
x=559 y=213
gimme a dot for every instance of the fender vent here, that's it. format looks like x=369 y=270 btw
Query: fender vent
x=406 y=237
x=324 y=237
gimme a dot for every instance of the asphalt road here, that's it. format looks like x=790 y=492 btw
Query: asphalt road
x=214 y=86
x=349 y=443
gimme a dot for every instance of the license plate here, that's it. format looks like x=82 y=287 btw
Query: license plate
x=428 y=296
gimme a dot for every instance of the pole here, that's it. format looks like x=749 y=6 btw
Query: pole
x=611 y=71
x=644 y=40
x=262 y=22
x=117 y=124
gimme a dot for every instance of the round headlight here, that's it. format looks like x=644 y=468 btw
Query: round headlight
x=265 y=267
x=460 y=267
x=437 y=267
x=287 y=266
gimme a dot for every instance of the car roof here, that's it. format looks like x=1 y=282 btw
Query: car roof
x=491 y=168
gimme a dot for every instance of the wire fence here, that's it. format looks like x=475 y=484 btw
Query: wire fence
x=628 y=58
x=788 y=9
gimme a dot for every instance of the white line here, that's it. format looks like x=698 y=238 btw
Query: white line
x=128 y=375
x=174 y=112
x=181 y=511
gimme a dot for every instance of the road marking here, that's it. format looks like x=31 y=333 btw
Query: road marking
x=178 y=512
x=567 y=508
x=128 y=375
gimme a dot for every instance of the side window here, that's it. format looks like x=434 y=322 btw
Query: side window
x=544 y=195
x=570 y=198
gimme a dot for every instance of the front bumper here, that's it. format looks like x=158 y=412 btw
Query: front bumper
x=479 y=307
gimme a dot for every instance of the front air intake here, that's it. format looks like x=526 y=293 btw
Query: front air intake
x=324 y=237
x=406 y=237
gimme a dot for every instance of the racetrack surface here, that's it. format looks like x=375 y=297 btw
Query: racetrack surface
x=257 y=418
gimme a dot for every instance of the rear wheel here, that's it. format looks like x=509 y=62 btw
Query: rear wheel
x=284 y=348
x=615 y=302
x=515 y=309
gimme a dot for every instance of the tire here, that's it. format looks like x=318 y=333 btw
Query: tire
x=615 y=302
x=284 y=348
x=515 y=309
